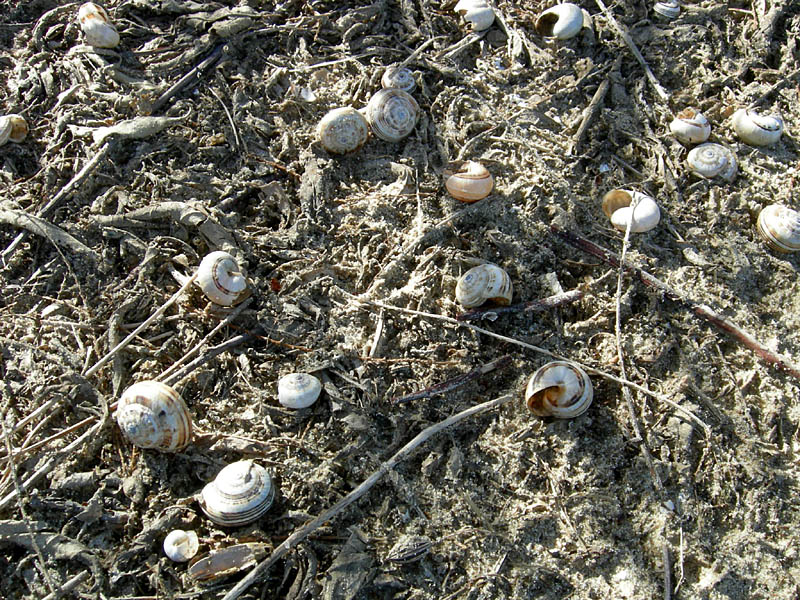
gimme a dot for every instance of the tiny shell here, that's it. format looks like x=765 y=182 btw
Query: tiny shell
x=343 y=130
x=669 y=9
x=476 y=12
x=152 y=415
x=399 y=78
x=221 y=279
x=617 y=206
x=559 y=389
x=562 y=21
x=13 y=128
x=97 y=26
x=780 y=227
x=180 y=545
x=239 y=494
x=392 y=114
x=712 y=160
x=690 y=126
x=298 y=390
x=756 y=129
x=226 y=561
x=469 y=181
x=484 y=283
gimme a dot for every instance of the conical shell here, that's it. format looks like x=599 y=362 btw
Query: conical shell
x=468 y=181
x=712 y=160
x=221 y=279
x=756 y=129
x=97 y=26
x=343 y=130
x=484 y=283
x=559 y=389
x=562 y=21
x=152 y=415
x=690 y=126
x=240 y=494
x=392 y=114
x=399 y=78
x=780 y=227
x=298 y=390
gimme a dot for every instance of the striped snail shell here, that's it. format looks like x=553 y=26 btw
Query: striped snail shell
x=13 y=128
x=220 y=278
x=562 y=21
x=756 y=129
x=477 y=13
x=152 y=415
x=239 y=494
x=392 y=114
x=97 y=26
x=298 y=390
x=483 y=283
x=618 y=206
x=559 y=389
x=468 y=181
x=712 y=160
x=180 y=545
x=399 y=78
x=343 y=130
x=690 y=126
x=780 y=227
x=669 y=9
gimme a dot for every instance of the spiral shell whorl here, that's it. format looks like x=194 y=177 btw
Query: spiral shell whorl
x=239 y=494
x=220 y=278
x=392 y=114
x=780 y=227
x=483 y=283
x=469 y=181
x=152 y=415
x=757 y=129
x=298 y=390
x=690 y=126
x=343 y=130
x=399 y=78
x=712 y=160
x=562 y=21
x=559 y=389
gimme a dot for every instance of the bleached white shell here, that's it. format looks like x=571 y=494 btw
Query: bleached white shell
x=483 y=283
x=399 y=78
x=226 y=561
x=152 y=415
x=343 y=130
x=669 y=9
x=712 y=160
x=180 y=545
x=562 y=21
x=617 y=204
x=221 y=279
x=780 y=227
x=755 y=129
x=559 y=389
x=97 y=26
x=690 y=126
x=13 y=128
x=298 y=390
x=392 y=114
x=469 y=181
x=240 y=494
x=476 y=12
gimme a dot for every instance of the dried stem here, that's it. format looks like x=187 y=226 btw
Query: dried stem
x=531 y=306
x=455 y=382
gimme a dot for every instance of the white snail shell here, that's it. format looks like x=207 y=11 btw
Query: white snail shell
x=392 y=114
x=780 y=227
x=97 y=27
x=755 y=129
x=220 y=278
x=298 y=390
x=712 y=160
x=180 y=545
x=617 y=204
x=152 y=415
x=343 y=130
x=476 y=12
x=469 y=181
x=559 y=389
x=483 y=283
x=562 y=21
x=13 y=128
x=240 y=494
x=690 y=126
x=670 y=9
x=399 y=78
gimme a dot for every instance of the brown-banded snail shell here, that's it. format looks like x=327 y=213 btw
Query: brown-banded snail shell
x=477 y=13
x=712 y=160
x=13 y=128
x=669 y=9
x=484 y=283
x=619 y=207
x=562 y=21
x=97 y=26
x=152 y=415
x=343 y=130
x=756 y=129
x=690 y=126
x=239 y=494
x=469 y=181
x=298 y=390
x=399 y=78
x=392 y=114
x=780 y=227
x=559 y=389
x=181 y=546
x=221 y=279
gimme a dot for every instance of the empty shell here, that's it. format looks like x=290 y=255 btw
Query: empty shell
x=226 y=561
x=152 y=415
x=477 y=13
x=562 y=21
x=392 y=114
x=690 y=126
x=756 y=129
x=399 y=78
x=180 y=545
x=298 y=390
x=97 y=27
x=221 y=279
x=240 y=494
x=780 y=227
x=468 y=181
x=712 y=160
x=669 y=9
x=619 y=207
x=13 y=128
x=559 y=389
x=484 y=283
x=343 y=130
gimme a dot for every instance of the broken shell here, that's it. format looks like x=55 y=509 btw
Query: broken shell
x=399 y=78
x=221 y=279
x=409 y=548
x=617 y=206
x=298 y=390
x=152 y=415
x=755 y=129
x=559 y=389
x=476 y=12
x=484 y=283
x=469 y=181
x=343 y=130
x=780 y=227
x=240 y=494
x=690 y=126
x=226 y=561
x=13 y=128
x=180 y=545
x=392 y=114
x=97 y=27
x=669 y=9
x=562 y=21
x=712 y=160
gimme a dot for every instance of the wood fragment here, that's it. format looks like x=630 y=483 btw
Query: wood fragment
x=54 y=234
x=455 y=382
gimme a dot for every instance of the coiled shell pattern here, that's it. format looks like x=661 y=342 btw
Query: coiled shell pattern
x=476 y=12
x=712 y=160
x=562 y=21
x=13 y=128
x=220 y=278
x=669 y=9
x=690 y=126
x=180 y=545
x=483 y=283
x=399 y=78
x=97 y=27
x=780 y=227
x=469 y=181
x=343 y=130
x=392 y=114
x=755 y=129
x=559 y=389
x=152 y=415
x=298 y=390
x=618 y=206
x=240 y=494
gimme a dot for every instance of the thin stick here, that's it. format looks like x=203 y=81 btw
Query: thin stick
x=68 y=586
x=667 y=573
x=530 y=306
x=304 y=531
x=590 y=113
x=230 y=118
x=175 y=378
x=455 y=382
x=191 y=77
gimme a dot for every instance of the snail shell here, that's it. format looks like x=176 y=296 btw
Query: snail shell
x=483 y=283
x=343 y=130
x=240 y=494
x=298 y=390
x=469 y=181
x=562 y=21
x=180 y=545
x=476 y=12
x=617 y=206
x=226 y=561
x=755 y=129
x=690 y=126
x=399 y=78
x=559 y=389
x=97 y=27
x=221 y=279
x=669 y=9
x=392 y=114
x=152 y=415
x=780 y=227
x=13 y=128
x=712 y=160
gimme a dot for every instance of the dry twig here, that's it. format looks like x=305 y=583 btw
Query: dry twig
x=455 y=382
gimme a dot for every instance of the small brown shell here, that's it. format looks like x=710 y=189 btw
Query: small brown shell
x=559 y=389
x=468 y=181
x=780 y=227
x=152 y=415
